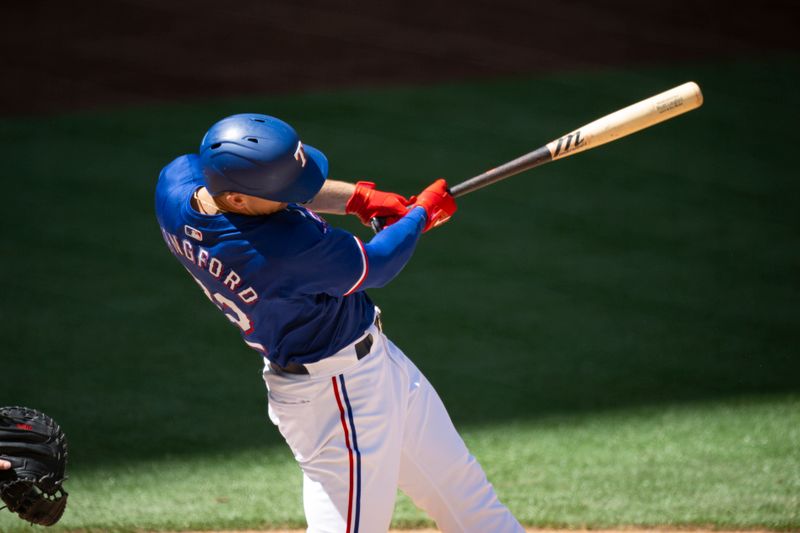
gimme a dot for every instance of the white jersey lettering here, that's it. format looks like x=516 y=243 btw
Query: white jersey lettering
x=215 y=267
x=188 y=250
x=248 y=295
x=232 y=280
x=173 y=240
x=202 y=258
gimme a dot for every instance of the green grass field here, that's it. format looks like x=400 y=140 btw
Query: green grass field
x=615 y=334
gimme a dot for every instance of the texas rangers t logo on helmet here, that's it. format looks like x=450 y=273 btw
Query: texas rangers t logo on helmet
x=300 y=154
x=259 y=155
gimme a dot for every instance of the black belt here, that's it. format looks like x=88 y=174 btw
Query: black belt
x=362 y=348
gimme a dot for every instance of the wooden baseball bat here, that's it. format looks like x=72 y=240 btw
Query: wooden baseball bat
x=616 y=125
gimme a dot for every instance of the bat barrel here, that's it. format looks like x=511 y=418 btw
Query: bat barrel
x=631 y=119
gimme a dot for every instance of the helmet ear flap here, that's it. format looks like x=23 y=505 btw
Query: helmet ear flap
x=258 y=155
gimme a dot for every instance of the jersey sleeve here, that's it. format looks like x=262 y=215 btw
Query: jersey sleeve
x=336 y=264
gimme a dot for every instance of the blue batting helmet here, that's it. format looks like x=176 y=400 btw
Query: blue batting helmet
x=261 y=156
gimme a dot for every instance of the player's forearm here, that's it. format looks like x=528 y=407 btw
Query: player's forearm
x=390 y=250
x=332 y=198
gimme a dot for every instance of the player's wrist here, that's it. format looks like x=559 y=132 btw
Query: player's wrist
x=422 y=215
x=359 y=200
x=438 y=203
x=367 y=203
x=419 y=208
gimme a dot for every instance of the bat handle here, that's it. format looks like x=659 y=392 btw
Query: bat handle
x=377 y=224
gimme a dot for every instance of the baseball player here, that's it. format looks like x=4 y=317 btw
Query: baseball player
x=360 y=418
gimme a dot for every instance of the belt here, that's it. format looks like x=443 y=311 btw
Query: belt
x=362 y=349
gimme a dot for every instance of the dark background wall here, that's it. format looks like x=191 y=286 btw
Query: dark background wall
x=73 y=55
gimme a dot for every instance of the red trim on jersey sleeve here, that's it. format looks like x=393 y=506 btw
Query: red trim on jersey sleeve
x=364 y=270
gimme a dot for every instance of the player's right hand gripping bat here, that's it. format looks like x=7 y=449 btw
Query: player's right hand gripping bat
x=618 y=124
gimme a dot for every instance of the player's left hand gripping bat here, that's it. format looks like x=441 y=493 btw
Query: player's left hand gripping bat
x=618 y=124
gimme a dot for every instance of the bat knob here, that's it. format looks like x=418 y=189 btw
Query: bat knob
x=377 y=224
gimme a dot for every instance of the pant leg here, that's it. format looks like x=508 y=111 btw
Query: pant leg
x=437 y=471
x=345 y=431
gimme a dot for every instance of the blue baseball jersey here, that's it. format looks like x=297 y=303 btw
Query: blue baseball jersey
x=288 y=280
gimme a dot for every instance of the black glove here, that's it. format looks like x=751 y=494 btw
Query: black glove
x=37 y=450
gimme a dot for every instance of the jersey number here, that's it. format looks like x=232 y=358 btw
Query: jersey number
x=228 y=308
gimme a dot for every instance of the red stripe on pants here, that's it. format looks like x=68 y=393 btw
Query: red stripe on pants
x=349 y=452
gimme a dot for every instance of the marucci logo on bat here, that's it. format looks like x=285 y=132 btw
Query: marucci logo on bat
x=565 y=144
x=669 y=104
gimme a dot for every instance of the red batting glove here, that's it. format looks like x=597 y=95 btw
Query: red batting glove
x=439 y=204
x=368 y=203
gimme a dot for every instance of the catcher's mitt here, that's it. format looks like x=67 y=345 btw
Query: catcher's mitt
x=37 y=450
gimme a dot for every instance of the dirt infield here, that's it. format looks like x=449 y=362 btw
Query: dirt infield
x=65 y=56
x=531 y=530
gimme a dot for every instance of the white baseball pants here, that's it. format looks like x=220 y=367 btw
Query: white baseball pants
x=362 y=428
